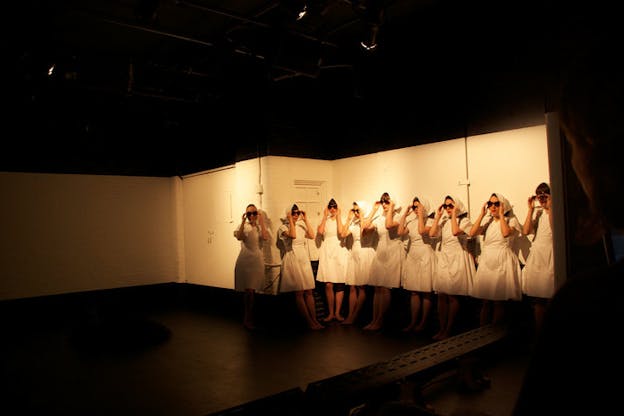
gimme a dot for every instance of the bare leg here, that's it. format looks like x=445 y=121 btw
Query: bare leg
x=499 y=312
x=382 y=295
x=353 y=294
x=443 y=312
x=311 y=308
x=414 y=309
x=329 y=295
x=376 y=300
x=360 y=301
x=426 y=309
x=484 y=315
x=359 y=304
x=304 y=310
x=453 y=310
x=339 y=296
x=538 y=312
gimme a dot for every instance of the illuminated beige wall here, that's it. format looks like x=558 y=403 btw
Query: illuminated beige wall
x=69 y=233
x=511 y=162
x=431 y=170
x=214 y=202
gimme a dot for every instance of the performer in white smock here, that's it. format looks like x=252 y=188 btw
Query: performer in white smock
x=361 y=253
x=538 y=274
x=385 y=273
x=249 y=268
x=419 y=263
x=296 y=269
x=455 y=267
x=333 y=258
x=498 y=271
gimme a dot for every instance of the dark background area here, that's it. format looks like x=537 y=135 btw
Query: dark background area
x=171 y=87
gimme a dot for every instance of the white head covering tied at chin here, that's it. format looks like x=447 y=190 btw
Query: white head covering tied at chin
x=424 y=201
x=461 y=208
x=364 y=207
x=503 y=200
x=284 y=219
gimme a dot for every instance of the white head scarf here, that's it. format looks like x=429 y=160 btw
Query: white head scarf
x=365 y=208
x=502 y=199
x=461 y=208
x=288 y=209
x=426 y=204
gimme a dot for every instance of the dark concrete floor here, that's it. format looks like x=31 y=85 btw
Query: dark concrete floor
x=193 y=357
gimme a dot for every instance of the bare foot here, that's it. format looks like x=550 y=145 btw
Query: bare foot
x=408 y=328
x=441 y=336
x=347 y=322
x=328 y=318
x=373 y=327
x=339 y=318
x=418 y=328
x=316 y=326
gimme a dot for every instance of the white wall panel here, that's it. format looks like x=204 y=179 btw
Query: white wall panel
x=210 y=216
x=67 y=233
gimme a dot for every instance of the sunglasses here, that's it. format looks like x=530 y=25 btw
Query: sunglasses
x=357 y=211
x=252 y=213
x=296 y=212
x=448 y=206
x=415 y=207
x=496 y=204
x=332 y=206
x=542 y=197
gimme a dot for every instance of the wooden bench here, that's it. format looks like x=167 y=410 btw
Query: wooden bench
x=345 y=393
x=336 y=395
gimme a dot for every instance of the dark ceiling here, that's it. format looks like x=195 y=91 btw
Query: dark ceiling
x=171 y=87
